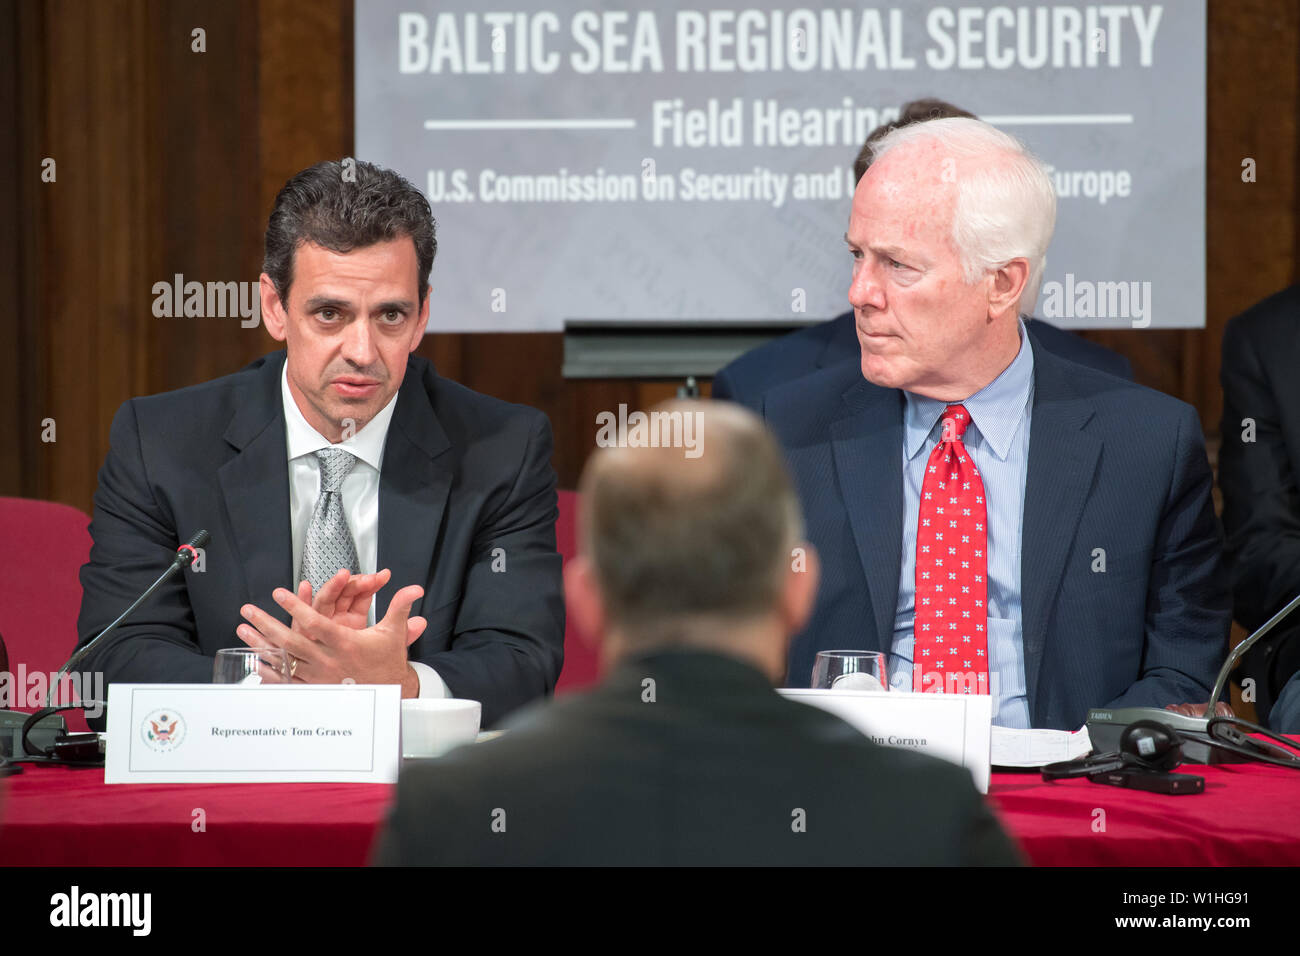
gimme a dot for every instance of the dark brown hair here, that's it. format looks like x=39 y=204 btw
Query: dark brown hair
x=343 y=205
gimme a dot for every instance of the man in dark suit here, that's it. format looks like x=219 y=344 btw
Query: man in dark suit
x=822 y=345
x=1259 y=474
x=684 y=754
x=343 y=463
x=1087 y=566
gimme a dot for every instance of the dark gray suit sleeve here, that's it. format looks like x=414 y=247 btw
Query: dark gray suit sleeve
x=1188 y=603
x=135 y=539
x=509 y=633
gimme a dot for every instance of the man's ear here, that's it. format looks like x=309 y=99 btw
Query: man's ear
x=1008 y=286
x=582 y=599
x=272 y=309
x=799 y=590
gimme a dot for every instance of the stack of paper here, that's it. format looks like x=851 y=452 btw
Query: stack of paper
x=1034 y=748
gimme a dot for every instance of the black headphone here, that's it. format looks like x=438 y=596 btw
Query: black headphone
x=1143 y=745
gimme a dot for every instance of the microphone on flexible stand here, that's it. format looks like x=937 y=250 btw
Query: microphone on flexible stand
x=89 y=747
x=1105 y=725
x=186 y=554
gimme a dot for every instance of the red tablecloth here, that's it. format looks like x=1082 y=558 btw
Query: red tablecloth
x=53 y=816
x=1249 y=815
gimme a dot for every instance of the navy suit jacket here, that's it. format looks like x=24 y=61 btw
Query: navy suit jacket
x=463 y=474
x=1112 y=465
x=829 y=343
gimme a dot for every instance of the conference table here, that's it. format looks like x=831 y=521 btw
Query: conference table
x=1249 y=815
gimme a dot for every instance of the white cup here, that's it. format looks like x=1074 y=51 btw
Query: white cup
x=432 y=726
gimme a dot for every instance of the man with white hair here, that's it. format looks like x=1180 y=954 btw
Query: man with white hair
x=826 y=343
x=997 y=519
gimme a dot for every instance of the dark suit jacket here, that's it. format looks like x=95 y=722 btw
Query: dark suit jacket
x=462 y=474
x=828 y=343
x=1260 y=480
x=1112 y=465
x=712 y=772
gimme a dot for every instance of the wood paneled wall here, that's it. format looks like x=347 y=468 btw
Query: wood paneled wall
x=168 y=161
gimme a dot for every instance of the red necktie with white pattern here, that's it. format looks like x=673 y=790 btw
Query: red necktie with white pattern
x=951 y=652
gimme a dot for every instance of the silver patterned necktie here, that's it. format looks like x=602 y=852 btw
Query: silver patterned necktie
x=329 y=545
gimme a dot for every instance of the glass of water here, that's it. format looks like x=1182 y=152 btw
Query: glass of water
x=850 y=670
x=251 y=665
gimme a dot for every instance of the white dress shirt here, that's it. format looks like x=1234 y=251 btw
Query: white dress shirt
x=360 y=493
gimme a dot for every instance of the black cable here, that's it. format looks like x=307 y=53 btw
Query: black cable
x=33 y=755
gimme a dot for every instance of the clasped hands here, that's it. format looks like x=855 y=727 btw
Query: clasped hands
x=329 y=640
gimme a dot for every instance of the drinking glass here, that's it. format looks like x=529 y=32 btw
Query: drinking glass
x=251 y=665
x=850 y=670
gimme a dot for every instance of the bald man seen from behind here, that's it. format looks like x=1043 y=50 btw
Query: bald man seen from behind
x=684 y=754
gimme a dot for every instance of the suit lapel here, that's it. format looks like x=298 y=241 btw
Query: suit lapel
x=255 y=489
x=868 y=450
x=1062 y=461
x=413 y=489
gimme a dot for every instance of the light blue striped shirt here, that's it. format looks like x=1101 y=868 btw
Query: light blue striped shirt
x=998 y=441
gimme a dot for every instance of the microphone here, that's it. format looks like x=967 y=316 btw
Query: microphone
x=1242 y=648
x=186 y=554
x=1104 y=724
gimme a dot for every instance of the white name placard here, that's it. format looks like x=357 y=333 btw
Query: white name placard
x=952 y=727
x=215 y=733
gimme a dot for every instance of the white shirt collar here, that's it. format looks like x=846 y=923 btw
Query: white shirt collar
x=367 y=444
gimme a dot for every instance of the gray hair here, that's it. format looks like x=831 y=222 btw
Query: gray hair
x=1004 y=210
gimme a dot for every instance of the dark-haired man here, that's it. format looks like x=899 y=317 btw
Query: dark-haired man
x=684 y=754
x=346 y=485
